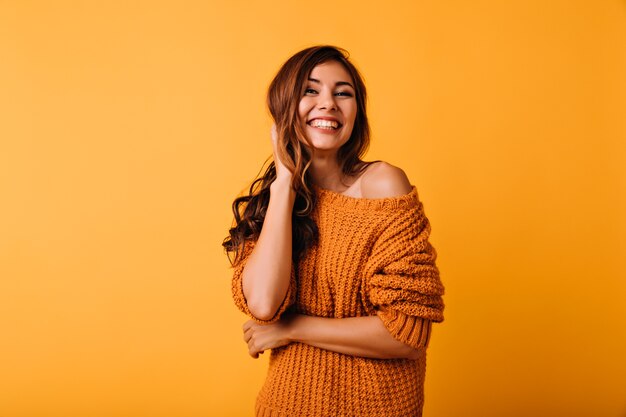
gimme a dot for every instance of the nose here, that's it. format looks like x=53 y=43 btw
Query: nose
x=327 y=101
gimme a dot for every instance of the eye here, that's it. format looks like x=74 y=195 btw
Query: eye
x=340 y=93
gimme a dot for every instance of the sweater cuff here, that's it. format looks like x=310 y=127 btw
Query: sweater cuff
x=411 y=330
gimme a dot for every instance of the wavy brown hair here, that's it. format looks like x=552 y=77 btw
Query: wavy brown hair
x=283 y=98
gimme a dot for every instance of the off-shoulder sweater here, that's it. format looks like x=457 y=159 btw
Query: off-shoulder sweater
x=372 y=255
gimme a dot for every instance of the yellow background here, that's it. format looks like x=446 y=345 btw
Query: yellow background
x=127 y=129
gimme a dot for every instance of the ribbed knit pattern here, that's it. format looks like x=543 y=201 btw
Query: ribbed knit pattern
x=372 y=255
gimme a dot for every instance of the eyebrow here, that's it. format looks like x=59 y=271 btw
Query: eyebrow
x=336 y=84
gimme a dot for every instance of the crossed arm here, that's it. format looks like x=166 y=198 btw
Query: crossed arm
x=359 y=336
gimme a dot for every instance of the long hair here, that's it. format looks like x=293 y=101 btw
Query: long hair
x=283 y=98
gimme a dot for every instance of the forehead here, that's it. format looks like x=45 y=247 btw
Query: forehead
x=330 y=72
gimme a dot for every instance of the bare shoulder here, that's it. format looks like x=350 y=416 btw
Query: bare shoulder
x=383 y=180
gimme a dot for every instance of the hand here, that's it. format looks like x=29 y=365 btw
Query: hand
x=281 y=169
x=260 y=337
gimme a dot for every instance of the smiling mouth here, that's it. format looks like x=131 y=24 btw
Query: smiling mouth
x=325 y=124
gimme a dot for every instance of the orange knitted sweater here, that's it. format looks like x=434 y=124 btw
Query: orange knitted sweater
x=372 y=254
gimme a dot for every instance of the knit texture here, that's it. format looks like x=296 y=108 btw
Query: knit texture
x=373 y=255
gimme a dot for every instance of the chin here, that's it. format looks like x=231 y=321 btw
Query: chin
x=325 y=146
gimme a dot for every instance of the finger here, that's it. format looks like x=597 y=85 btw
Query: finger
x=254 y=349
x=254 y=353
x=250 y=325
x=247 y=335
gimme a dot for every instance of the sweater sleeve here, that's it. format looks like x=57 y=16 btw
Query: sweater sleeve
x=403 y=283
x=237 y=287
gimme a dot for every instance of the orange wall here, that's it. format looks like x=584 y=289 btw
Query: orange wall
x=127 y=128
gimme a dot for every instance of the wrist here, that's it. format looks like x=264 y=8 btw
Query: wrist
x=282 y=185
x=298 y=321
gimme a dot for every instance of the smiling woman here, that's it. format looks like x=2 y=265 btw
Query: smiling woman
x=328 y=107
x=332 y=259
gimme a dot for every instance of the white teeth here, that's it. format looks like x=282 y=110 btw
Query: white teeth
x=324 y=123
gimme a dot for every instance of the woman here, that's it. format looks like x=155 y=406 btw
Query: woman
x=332 y=259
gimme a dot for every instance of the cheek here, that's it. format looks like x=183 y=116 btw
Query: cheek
x=352 y=119
x=303 y=107
x=351 y=113
x=302 y=119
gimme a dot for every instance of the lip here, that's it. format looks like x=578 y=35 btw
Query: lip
x=324 y=131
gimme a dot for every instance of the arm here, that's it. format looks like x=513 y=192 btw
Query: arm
x=266 y=276
x=359 y=336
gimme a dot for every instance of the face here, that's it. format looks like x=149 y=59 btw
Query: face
x=328 y=106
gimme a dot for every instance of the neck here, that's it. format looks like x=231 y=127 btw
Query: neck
x=326 y=172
